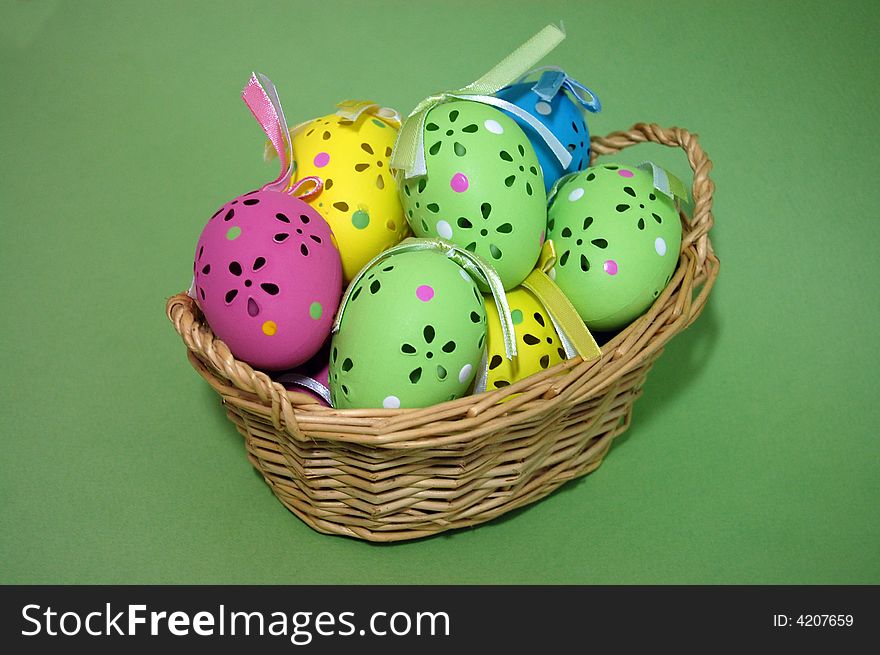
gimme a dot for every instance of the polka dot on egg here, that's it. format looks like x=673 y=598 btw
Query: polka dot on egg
x=610 y=267
x=493 y=126
x=444 y=229
x=316 y=310
x=377 y=123
x=576 y=194
x=391 y=402
x=624 y=173
x=459 y=183
x=465 y=373
x=425 y=293
x=233 y=233
x=543 y=108
x=322 y=159
x=517 y=316
x=660 y=246
x=270 y=328
x=360 y=219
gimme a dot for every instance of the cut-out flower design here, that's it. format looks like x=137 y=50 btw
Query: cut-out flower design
x=516 y=158
x=248 y=284
x=426 y=353
x=375 y=162
x=447 y=132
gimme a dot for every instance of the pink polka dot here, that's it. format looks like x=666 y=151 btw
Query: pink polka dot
x=610 y=267
x=425 y=293
x=322 y=159
x=459 y=182
x=624 y=173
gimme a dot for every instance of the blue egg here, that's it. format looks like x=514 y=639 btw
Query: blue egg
x=563 y=117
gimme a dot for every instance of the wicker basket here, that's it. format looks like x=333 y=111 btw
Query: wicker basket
x=389 y=475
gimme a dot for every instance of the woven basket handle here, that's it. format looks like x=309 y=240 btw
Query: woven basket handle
x=183 y=313
x=702 y=219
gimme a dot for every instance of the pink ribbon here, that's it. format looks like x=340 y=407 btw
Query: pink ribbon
x=261 y=98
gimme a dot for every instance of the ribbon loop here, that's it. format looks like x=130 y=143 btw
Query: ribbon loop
x=351 y=110
x=479 y=270
x=548 y=84
x=409 y=151
x=261 y=98
x=554 y=78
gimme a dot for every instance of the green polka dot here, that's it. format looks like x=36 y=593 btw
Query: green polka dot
x=315 y=310
x=233 y=233
x=516 y=315
x=360 y=219
x=378 y=123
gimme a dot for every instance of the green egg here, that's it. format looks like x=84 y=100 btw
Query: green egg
x=483 y=190
x=411 y=335
x=617 y=240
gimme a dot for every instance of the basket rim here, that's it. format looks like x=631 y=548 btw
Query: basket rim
x=539 y=395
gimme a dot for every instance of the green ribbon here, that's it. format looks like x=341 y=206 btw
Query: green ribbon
x=479 y=270
x=409 y=151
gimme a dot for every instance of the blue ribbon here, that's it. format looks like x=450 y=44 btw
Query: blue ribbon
x=554 y=78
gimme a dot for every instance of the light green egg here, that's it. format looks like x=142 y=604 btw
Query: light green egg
x=617 y=239
x=411 y=335
x=483 y=190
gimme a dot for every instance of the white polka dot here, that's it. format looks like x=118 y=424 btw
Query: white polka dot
x=465 y=373
x=444 y=229
x=464 y=274
x=552 y=273
x=493 y=126
x=660 y=246
x=391 y=402
x=576 y=194
x=543 y=108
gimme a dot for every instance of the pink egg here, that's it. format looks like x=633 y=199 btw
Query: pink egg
x=268 y=279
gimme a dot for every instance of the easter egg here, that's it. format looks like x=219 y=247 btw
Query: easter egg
x=360 y=197
x=483 y=188
x=618 y=241
x=411 y=334
x=538 y=345
x=268 y=278
x=563 y=118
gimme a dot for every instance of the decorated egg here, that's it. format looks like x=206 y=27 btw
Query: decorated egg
x=268 y=278
x=557 y=101
x=360 y=197
x=410 y=334
x=618 y=239
x=538 y=345
x=482 y=190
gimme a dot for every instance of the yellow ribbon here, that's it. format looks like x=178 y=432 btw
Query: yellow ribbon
x=409 y=151
x=575 y=336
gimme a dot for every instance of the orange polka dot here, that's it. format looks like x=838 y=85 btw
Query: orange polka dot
x=270 y=328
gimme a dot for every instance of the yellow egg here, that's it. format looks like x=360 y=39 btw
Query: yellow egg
x=538 y=345
x=359 y=199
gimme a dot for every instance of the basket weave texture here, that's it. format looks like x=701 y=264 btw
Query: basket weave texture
x=394 y=474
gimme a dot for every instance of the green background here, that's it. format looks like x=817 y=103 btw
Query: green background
x=754 y=453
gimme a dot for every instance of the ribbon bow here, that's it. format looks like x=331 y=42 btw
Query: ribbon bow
x=409 y=151
x=351 y=110
x=473 y=264
x=553 y=78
